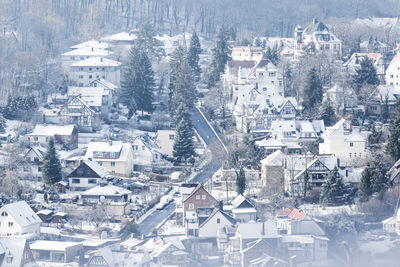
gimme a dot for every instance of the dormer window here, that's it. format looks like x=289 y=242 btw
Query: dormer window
x=4 y=214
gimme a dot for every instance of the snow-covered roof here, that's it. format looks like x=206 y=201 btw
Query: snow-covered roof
x=96 y=62
x=15 y=246
x=106 y=84
x=88 y=52
x=270 y=143
x=93 y=96
x=244 y=210
x=132 y=242
x=52 y=130
x=107 y=190
x=255 y=230
x=113 y=147
x=45 y=212
x=53 y=245
x=91 y=43
x=22 y=213
x=275 y=159
x=96 y=167
x=122 y=36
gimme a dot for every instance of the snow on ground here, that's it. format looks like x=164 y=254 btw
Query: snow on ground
x=171 y=228
x=376 y=248
x=318 y=210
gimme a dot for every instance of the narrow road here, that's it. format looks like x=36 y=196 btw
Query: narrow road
x=216 y=147
x=213 y=143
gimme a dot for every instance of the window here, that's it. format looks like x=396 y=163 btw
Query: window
x=92 y=181
x=103 y=69
x=264 y=89
x=35 y=138
x=80 y=76
x=4 y=214
x=191 y=206
x=197 y=196
x=143 y=148
x=76 y=181
x=171 y=137
x=350 y=155
x=90 y=69
x=203 y=197
x=112 y=163
x=351 y=144
x=10 y=224
x=218 y=220
x=39 y=169
x=100 y=163
x=80 y=84
x=90 y=76
x=81 y=69
x=36 y=159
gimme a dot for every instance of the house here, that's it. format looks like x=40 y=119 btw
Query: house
x=34 y=156
x=79 y=113
x=313 y=170
x=246 y=236
x=146 y=152
x=377 y=59
x=17 y=219
x=110 y=88
x=394 y=173
x=66 y=135
x=98 y=44
x=392 y=76
x=199 y=198
x=270 y=145
x=302 y=237
x=319 y=36
x=122 y=38
x=88 y=70
x=87 y=175
x=243 y=210
x=106 y=194
x=272 y=170
x=217 y=220
x=165 y=251
x=106 y=257
x=374 y=46
x=342 y=99
x=383 y=100
x=15 y=252
x=97 y=98
x=56 y=251
x=115 y=157
x=348 y=143
x=247 y=53
x=184 y=191
x=165 y=140
x=76 y=55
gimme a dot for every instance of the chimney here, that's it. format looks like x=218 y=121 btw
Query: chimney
x=314 y=21
x=92 y=49
x=101 y=59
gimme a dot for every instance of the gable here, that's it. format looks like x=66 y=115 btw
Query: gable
x=200 y=191
x=84 y=170
x=97 y=261
x=245 y=204
x=318 y=166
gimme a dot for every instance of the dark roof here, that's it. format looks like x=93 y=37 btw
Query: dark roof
x=316 y=26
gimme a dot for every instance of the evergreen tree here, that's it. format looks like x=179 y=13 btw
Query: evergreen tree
x=365 y=75
x=183 y=149
x=365 y=187
x=333 y=189
x=181 y=85
x=312 y=94
x=145 y=38
x=220 y=56
x=193 y=55
x=328 y=114
x=393 y=144
x=138 y=84
x=51 y=167
x=240 y=181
